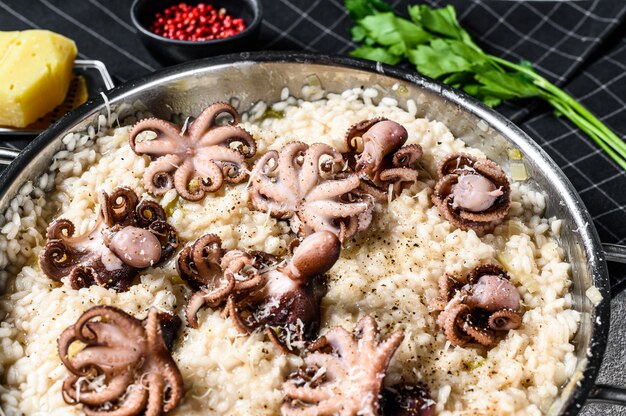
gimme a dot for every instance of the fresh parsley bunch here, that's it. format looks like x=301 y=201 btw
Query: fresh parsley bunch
x=434 y=41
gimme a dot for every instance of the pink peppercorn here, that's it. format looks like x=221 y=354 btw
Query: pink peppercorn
x=196 y=23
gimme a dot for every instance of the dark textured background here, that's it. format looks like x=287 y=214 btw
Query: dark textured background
x=580 y=45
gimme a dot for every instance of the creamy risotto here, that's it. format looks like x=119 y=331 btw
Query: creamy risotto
x=389 y=272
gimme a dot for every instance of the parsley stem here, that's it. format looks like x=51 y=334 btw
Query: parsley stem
x=585 y=126
x=575 y=112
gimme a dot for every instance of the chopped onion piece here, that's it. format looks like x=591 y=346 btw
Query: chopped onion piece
x=312 y=89
x=594 y=295
x=550 y=250
x=529 y=283
x=506 y=259
x=271 y=113
x=508 y=262
x=518 y=172
x=482 y=125
x=313 y=80
x=476 y=363
x=514 y=228
x=515 y=154
x=400 y=89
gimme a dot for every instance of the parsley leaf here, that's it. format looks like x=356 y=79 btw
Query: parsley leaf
x=429 y=60
x=441 y=21
x=396 y=33
x=358 y=9
x=376 y=54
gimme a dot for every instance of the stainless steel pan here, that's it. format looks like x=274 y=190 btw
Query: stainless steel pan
x=186 y=89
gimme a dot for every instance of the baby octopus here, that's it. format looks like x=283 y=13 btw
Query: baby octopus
x=298 y=184
x=124 y=367
x=259 y=292
x=378 y=155
x=486 y=305
x=472 y=193
x=128 y=236
x=195 y=161
x=407 y=400
x=343 y=373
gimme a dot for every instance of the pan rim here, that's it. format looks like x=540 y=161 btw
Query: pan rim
x=591 y=243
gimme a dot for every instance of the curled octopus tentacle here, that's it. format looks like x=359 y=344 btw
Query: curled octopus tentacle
x=481 y=309
x=407 y=155
x=505 y=319
x=134 y=402
x=157 y=177
x=200 y=265
x=118 y=208
x=164 y=368
x=310 y=173
x=165 y=141
x=227 y=136
x=185 y=175
x=454 y=324
x=472 y=193
x=116 y=387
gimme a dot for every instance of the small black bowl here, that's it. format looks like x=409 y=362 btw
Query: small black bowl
x=170 y=51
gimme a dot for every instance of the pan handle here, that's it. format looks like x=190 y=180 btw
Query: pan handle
x=615 y=253
x=7 y=155
x=605 y=393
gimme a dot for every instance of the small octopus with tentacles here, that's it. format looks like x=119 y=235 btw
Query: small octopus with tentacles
x=298 y=184
x=473 y=194
x=378 y=155
x=124 y=367
x=343 y=373
x=195 y=161
x=259 y=292
x=487 y=305
x=129 y=235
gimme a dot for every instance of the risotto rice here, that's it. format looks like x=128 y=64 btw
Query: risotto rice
x=389 y=272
